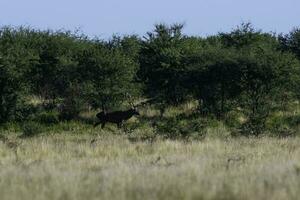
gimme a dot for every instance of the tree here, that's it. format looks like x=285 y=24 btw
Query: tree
x=15 y=61
x=266 y=74
x=107 y=74
x=291 y=42
x=8 y=91
x=49 y=75
x=162 y=66
x=213 y=78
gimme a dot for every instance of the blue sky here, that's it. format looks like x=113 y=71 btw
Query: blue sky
x=104 y=17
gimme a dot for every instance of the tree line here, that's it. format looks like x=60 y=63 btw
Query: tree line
x=245 y=69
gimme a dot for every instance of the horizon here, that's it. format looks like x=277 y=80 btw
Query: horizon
x=107 y=18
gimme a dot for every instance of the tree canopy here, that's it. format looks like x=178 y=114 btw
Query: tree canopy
x=244 y=69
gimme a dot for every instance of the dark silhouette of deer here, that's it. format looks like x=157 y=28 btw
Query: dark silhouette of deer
x=117 y=117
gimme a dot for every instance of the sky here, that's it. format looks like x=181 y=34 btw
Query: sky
x=103 y=18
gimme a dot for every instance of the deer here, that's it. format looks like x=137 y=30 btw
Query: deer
x=117 y=117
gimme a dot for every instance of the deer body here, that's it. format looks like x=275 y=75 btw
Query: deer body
x=117 y=117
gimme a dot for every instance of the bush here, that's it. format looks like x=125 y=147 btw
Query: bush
x=9 y=93
x=72 y=103
x=48 y=117
x=284 y=131
x=255 y=125
x=30 y=129
x=283 y=126
x=293 y=121
x=178 y=127
x=24 y=111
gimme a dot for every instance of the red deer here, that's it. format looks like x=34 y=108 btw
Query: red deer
x=117 y=117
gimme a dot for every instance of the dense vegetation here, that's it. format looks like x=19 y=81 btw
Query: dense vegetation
x=243 y=78
x=79 y=164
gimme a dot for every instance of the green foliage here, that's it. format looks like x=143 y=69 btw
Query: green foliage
x=291 y=42
x=283 y=125
x=215 y=79
x=66 y=67
x=162 y=65
x=267 y=75
x=72 y=102
x=107 y=75
x=246 y=35
x=10 y=89
x=24 y=111
x=30 y=129
x=243 y=73
x=182 y=126
x=44 y=117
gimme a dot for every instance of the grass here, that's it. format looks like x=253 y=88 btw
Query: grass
x=85 y=163
x=72 y=160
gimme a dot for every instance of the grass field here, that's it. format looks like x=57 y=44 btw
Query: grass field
x=93 y=164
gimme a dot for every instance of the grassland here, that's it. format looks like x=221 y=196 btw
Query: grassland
x=86 y=163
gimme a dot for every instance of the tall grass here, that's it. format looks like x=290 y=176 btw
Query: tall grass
x=98 y=165
x=73 y=160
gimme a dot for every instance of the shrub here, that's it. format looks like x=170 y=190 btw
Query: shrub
x=51 y=117
x=283 y=126
x=72 y=103
x=9 y=91
x=179 y=127
x=24 y=111
x=254 y=125
x=30 y=129
x=284 y=131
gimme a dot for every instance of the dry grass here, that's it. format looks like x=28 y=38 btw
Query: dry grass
x=107 y=166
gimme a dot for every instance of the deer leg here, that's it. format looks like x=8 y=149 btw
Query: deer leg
x=119 y=125
x=97 y=123
x=102 y=124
